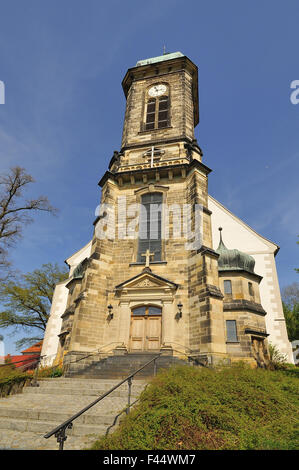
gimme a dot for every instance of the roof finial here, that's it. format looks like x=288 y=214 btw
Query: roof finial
x=221 y=245
x=164 y=50
x=220 y=230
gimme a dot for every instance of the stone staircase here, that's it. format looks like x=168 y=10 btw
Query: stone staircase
x=25 y=418
x=119 y=367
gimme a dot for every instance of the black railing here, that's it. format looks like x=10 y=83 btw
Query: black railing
x=194 y=360
x=60 y=431
x=97 y=352
x=119 y=414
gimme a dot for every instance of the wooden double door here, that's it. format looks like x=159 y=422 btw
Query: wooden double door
x=146 y=328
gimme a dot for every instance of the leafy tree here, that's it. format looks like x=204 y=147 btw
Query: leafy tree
x=15 y=210
x=290 y=297
x=27 y=301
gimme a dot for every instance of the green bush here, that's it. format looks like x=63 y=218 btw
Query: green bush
x=278 y=360
x=229 y=408
x=12 y=380
x=47 y=372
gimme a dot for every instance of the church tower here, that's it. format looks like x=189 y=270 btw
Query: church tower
x=149 y=284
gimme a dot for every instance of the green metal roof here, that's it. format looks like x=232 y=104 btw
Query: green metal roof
x=233 y=260
x=160 y=58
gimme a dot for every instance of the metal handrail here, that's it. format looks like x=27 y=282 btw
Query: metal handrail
x=92 y=353
x=191 y=358
x=60 y=430
x=132 y=404
x=119 y=414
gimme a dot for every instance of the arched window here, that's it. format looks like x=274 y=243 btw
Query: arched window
x=150 y=218
x=157 y=112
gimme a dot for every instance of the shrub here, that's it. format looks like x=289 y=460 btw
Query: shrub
x=47 y=372
x=12 y=380
x=228 y=408
x=278 y=360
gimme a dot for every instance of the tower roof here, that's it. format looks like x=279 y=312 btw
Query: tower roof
x=160 y=58
x=233 y=260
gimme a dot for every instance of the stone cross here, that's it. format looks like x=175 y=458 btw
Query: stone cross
x=147 y=255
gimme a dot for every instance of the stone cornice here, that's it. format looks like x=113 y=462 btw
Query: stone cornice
x=69 y=311
x=242 y=304
x=241 y=272
x=148 y=169
x=180 y=138
x=206 y=250
x=210 y=291
x=105 y=177
x=256 y=332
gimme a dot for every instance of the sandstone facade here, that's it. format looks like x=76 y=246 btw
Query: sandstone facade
x=123 y=300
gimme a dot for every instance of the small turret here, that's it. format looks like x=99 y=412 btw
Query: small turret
x=231 y=260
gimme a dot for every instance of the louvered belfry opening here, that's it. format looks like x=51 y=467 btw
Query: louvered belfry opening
x=163 y=112
x=157 y=113
x=150 y=114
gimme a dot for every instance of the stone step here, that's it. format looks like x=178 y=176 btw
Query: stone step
x=14 y=440
x=43 y=401
x=59 y=416
x=88 y=382
x=75 y=391
x=42 y=427
x=26 y=417
x=121 y=366
x=92 y=386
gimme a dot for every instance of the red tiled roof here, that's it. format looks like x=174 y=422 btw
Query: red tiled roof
x=20 y=361
x=35 y=348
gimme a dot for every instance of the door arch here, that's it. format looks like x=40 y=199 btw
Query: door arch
x=146 y=328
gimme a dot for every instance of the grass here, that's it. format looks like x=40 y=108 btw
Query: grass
x=235 y=408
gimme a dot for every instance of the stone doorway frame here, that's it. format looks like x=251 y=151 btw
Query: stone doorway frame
x=142 y=290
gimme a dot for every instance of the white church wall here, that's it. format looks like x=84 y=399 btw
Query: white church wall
x=51 y=339
x=236 y=234
x=78 y=256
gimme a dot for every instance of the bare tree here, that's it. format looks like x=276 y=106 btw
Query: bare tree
x=15 y=210
x=290 y=294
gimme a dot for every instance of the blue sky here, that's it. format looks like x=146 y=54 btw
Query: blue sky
x=62 y=63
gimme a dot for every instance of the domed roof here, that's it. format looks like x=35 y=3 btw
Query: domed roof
x=231 y=260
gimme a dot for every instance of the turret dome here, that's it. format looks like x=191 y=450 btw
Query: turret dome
x=233 y=260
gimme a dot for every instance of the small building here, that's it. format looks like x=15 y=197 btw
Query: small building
x=29 y=358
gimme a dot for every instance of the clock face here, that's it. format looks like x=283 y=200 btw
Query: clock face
x=157 y=90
